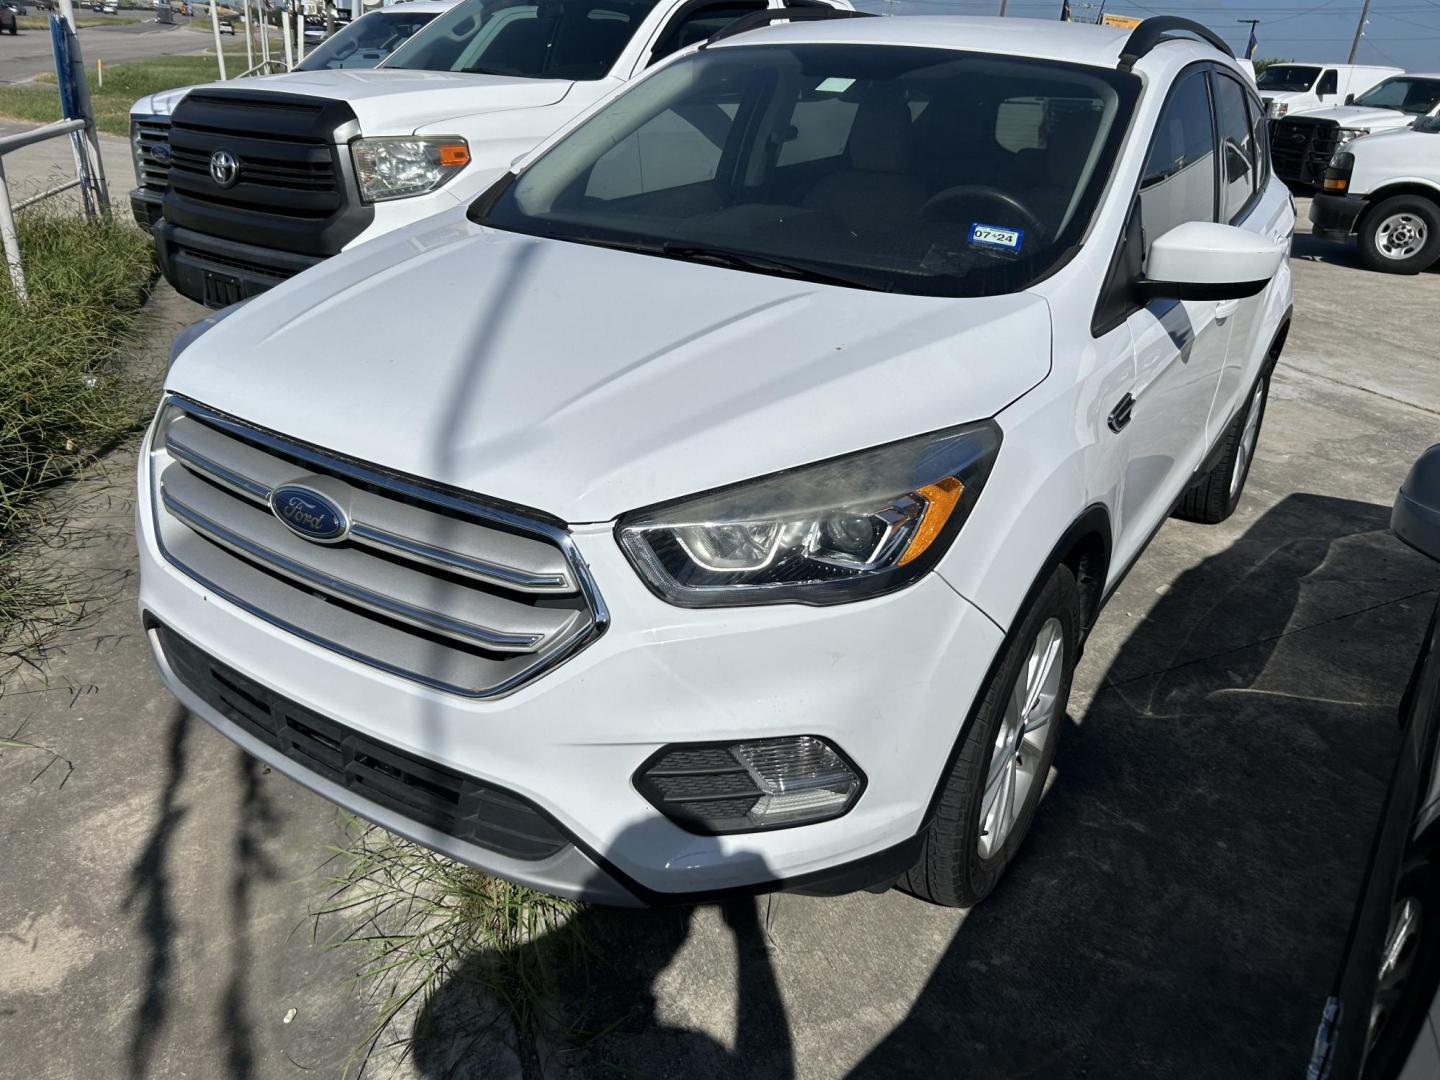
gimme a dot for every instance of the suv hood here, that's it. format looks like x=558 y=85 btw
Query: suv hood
x=389 y=102
x=587 y=382
x=162 y=103
x=1355 y=116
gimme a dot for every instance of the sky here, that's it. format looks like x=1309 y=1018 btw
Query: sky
x=1402 y=33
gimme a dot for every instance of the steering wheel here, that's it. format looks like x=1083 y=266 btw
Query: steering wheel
x=982 y=193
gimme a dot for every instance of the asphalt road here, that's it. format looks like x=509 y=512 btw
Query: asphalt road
x=28 y=53
x=1178 y=910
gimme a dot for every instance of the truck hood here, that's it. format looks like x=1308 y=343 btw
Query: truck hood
x=389 y=102
x=162 y=103
x=393 y=101
x=1354 y=116
x=586 y=382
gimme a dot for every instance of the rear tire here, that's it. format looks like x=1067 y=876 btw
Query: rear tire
x=1213 y=496
x=1400 y=235
x=989 y=797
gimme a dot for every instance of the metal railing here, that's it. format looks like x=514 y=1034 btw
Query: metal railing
x=89 y=178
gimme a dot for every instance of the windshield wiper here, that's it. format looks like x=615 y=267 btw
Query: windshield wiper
x=766 y=264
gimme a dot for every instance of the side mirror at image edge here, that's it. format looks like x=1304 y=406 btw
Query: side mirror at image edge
x=1416 y=517
x=1202 y=260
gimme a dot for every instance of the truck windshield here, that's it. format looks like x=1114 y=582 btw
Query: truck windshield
x=905 y=169
x=367 y=40
x=1405 y=93
x=1288 y=77
x=551 y=39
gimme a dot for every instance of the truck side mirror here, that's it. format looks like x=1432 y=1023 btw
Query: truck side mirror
x=1349 y=99
x=1416 y=517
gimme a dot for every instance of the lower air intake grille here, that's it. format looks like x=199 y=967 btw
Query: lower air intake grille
x=426 y=793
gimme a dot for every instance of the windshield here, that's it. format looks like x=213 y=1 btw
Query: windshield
x=1292 y=77
x=367 y=40
x=554 y=39
x=1409 y=95
x=915 y=170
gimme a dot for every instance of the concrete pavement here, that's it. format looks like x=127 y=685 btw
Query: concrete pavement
x=1177 y=912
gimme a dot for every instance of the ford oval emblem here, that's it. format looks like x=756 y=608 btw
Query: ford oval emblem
x=307 y=513
x=161 y=153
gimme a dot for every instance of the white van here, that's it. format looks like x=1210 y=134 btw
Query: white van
x=1299 y=88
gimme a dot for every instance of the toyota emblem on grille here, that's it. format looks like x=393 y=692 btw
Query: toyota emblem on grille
x=224 y=168
x=309 y=514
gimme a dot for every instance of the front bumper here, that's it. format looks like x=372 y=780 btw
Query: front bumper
x=1333 y=217
x=217 y=272
x=890 y=681
x=145 y=205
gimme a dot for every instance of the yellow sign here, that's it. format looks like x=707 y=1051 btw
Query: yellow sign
x=1125 y=22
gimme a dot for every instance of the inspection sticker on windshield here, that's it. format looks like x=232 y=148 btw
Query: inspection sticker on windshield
x=994 y=236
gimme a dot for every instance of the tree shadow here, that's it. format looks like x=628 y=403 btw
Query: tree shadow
x=150 y=892
x=1181 y=904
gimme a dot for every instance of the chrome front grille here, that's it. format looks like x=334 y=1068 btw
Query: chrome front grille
x=441 y=588
x=155 y=169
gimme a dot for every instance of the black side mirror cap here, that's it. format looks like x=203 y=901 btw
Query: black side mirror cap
x=1416 y=517
x=1148 y=290
x=1349 y=99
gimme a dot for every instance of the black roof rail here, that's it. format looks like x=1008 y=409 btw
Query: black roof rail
x=1153 y=31
x=801 y=12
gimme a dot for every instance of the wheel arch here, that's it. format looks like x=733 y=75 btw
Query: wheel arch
x=1085 y=549
x=1401 y=187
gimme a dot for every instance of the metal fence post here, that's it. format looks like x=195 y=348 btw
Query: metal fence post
x=9 y=240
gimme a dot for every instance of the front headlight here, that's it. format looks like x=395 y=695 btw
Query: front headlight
x=1278 y=109
x=829 y=533
x=399 y=167
x=1346 y=134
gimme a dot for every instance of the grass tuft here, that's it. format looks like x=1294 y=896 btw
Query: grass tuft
x=420 y=922
x=64 y=395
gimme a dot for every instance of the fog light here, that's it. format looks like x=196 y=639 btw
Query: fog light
x=750 y=786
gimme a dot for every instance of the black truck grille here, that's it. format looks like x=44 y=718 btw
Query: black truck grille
x=1301 y=148
x=290 y=188
x=427 y=793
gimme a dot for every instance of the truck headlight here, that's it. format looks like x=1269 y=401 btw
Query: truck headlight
x=1347 y=134
x=398 y=167
x=1278 y=109
x=828 y=533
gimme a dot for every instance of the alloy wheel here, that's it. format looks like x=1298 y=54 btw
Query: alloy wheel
x=1401 y=236
x=1248 y=436
x=1025 y=728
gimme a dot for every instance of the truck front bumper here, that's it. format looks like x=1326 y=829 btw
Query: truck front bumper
x=145 y=205
x=1333 y=217
x=217 y=272
x=889 y=681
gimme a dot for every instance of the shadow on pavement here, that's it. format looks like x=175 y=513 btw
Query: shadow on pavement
x=1182 y=901
x=150 y=893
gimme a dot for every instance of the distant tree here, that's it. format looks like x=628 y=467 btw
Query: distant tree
x=1265 y=61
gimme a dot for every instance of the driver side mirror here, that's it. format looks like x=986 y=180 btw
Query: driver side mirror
x=1349 y=99
x=1203 y=260
x=1416 y=517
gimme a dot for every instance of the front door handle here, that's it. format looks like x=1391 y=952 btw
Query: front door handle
x=1225 y=309
x=1120 y=415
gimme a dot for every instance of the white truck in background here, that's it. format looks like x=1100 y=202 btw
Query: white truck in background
x=1384 y=190
x=1291 y=88
x=245 y=184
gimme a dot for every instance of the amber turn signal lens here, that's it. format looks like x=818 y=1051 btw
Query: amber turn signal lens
x=941 y=499
x=454 y=154
x=1333 y=183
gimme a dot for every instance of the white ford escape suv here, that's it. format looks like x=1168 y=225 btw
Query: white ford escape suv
x=722 y=500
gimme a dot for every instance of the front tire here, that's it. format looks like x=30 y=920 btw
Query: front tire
x=1400 y=235
x=989 y=797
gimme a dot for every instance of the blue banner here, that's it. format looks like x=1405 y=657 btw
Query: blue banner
x=60 y=38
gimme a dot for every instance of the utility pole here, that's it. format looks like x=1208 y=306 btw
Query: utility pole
x=1002 y=7
x=1253 y=23
x=1359 y=31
